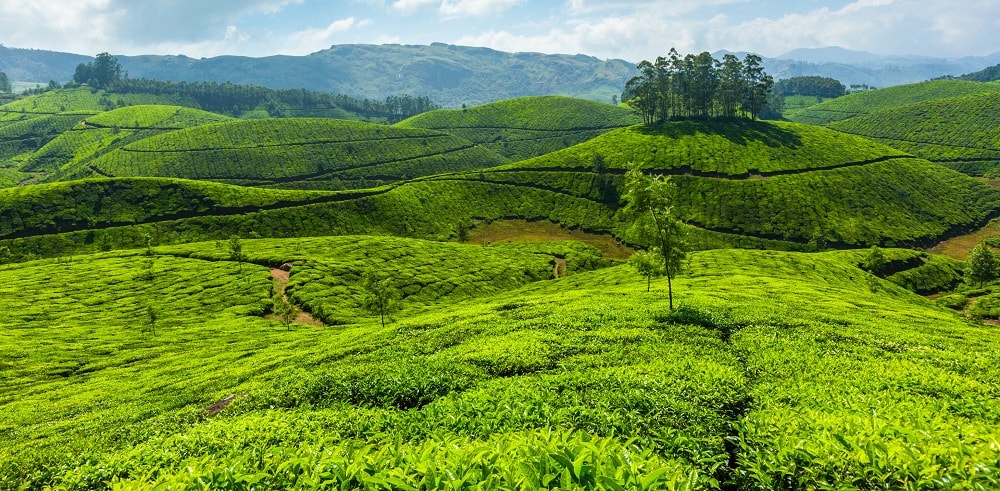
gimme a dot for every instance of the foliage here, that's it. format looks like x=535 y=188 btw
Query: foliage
x=823 y=87
x=101 y=73
x=650 y=202
x=874 y=262
x=239 y=100
x=285 y=151
x=71 y=152
x=528 y=126
x=870 y=101
x=698 y=86
x=648 y=263
x=960 y=132
x=4 y=82
x=981 y=265
x=380 y=295
x=812 y=379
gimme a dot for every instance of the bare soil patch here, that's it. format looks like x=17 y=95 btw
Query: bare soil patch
x=959 y=247
x=301 y=317
x=525 y=231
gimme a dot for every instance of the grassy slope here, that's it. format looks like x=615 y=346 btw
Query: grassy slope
x=528 y=126
x=818 y=374
x=782 y=181
x=294 y=152
x=860 y=103
x=775 y=186
x=73 y=150
x=959 y=132
x=28 y=123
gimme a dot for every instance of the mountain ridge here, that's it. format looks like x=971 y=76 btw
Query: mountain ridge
x=453 y=75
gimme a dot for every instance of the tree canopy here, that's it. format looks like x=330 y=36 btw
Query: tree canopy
x=102 y=72
x=812 y=85
x=698 y=86
x=4 y=82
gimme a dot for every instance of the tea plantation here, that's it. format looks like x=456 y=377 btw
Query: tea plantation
x=778 y=371
x=528 y=126
x=962 y=133
x=194 y=301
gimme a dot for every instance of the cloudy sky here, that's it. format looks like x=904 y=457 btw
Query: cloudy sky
x=627 y=29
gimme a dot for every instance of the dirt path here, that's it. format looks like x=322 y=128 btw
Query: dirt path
x=301 y=317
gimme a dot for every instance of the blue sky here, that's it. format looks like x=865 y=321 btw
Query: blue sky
x=627 y=29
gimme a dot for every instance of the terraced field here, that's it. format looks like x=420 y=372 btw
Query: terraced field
x=529 y=126
x=70 y=153
x=587 y=380
x=962 y=132
x=321 y=153
x=777 y=186
x=783 y=182
x=867 y=102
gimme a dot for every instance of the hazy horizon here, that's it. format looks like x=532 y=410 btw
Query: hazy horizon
x=625 y=29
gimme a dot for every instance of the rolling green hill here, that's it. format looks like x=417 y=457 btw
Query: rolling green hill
x=780 y=370
x=528 y=126
x=959 y=132
x=295 y=152
x=778 y=186
x=779 y=181
x=96 y=135
x=866 y=102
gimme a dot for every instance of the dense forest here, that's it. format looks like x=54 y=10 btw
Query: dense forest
x=233 y=99
x=698 y=86
x=825 y=87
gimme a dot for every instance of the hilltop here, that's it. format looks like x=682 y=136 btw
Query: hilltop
x=527 y=126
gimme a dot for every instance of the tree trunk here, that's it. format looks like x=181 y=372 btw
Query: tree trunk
x=670 y=291
x=649 y=279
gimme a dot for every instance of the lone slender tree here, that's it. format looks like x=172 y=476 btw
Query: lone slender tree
x=379 y=295
x=648 y=263
x=650 y=201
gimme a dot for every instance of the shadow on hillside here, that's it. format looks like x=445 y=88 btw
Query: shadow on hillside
x=738 y=131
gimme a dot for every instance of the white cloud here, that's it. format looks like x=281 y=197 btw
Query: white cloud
x=411 y=6
x=310 y=40
x=465 y=8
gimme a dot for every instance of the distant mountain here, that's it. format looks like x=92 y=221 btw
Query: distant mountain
x=858 y=67
x=449 y=75
x=35 y=65
x=456 y=75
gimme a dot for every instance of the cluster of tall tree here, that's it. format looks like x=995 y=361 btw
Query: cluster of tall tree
x=825 y=87
x=102 y=72
x=699 y=86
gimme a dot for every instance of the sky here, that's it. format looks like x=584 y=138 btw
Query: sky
x=627 y=29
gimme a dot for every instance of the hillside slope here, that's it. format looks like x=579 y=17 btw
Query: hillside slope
x=959 y=132
x=528 y=126
x=95 y=135
x=778 y=368
x=860 y=103
x=295 y=152
x=779 y=181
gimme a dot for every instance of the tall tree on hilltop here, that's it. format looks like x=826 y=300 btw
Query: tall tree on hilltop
x=102 y=72
x=650 y=201
x=758 y=84
x=4 y=82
